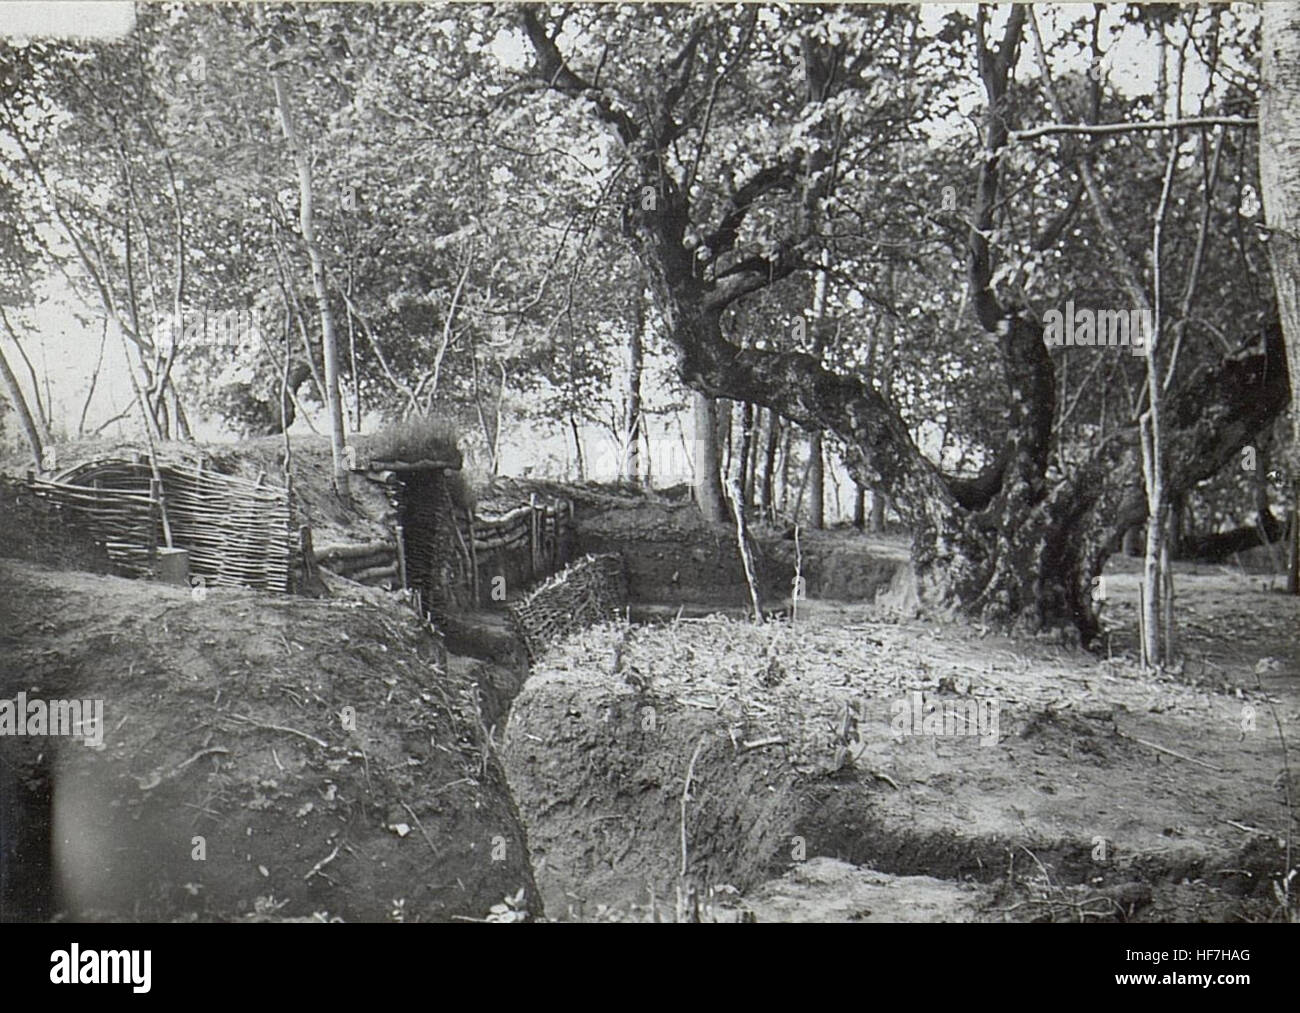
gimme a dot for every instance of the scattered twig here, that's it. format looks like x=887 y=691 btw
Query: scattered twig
x=1244 y=828
x=163 y=778
x=451 y=784
x=365 y=768
x=421 y=828
x=1285 y=889
x=1174 y=753
x=1042 y=868
x=323 y=862
x=281 y=728
x=1080 y=906
x=742 y=537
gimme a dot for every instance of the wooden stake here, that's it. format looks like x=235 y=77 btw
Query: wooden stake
x=738 y=508
x=1142 y=629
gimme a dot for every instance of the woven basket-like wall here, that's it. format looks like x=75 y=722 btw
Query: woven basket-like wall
x=237 y=533
x=592 y=590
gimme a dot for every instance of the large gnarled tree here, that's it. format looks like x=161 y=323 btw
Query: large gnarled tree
x=1020 y=542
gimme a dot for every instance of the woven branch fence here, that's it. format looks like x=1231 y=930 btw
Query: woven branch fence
x=37 y=530
x=592 y=590
x=448 y=554
x=521 y=545
x=242 y=533
x=236 y=532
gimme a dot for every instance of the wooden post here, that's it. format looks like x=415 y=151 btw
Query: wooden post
x=742 y=537
x=155 y=503
x=161 y=499
x=1142 y=632
x=554 y=523
x=532 y=533
x=1293 y=565
x=312 y=581
x=288 y=533
x=401 y=556
x=473 y=558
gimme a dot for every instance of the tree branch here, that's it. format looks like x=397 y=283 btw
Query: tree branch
x=779 y=176
x=556 y=73
x=1124 y=128
x=995 y=70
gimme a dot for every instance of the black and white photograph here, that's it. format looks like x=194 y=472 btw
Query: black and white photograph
x=650 y=463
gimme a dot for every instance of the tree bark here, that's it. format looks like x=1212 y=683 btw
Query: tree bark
x=767 y=502
x=877 y=512
x=25 y=418
x=579 y=457
x=1279 y=175
x=746 y=478
x=882 y=366
x=329 y=343
x=708 y=478
x=816 y=457
x=632 y=422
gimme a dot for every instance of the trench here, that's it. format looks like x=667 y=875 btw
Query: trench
x=600 y=795
x=601 y=801
x=27 y=886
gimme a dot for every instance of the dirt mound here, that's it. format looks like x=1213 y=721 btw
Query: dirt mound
x=675 y=557
x=600 y=771
x=1067 y=786
x=261 y=755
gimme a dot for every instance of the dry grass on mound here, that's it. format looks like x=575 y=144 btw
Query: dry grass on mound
x=417 y=438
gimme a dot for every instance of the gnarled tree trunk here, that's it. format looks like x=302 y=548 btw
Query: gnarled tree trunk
x=1019 y=544
x=708 y=478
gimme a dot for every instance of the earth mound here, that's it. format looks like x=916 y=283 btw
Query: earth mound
x=258 y=756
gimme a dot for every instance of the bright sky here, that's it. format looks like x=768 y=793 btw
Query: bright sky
x=104 y=19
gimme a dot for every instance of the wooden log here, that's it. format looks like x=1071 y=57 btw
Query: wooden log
x=353 y=551
x=492 y=541
x=363 y=562
x=421 y=465
x=509 y=517
x=373 y=573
